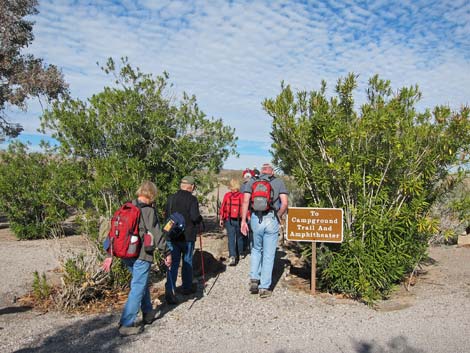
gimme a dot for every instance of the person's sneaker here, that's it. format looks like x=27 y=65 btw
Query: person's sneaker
x=130 y=330
x=254 y=283
x=148 y=318
x=232 y=261
x=265 y=293
x=171 y=299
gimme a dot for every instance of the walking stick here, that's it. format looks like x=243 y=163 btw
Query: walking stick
x=217 y=204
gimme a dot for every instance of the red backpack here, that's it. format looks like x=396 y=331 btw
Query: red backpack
x=123 y=238
x=261 y=196
x=234 y=205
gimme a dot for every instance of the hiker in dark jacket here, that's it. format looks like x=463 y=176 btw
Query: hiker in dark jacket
x=185 y=203
x=139 y=267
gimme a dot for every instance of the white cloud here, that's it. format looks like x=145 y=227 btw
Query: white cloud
x=232 y=55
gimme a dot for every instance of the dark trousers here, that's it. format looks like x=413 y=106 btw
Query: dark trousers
x=180 y=249
x=235 y=238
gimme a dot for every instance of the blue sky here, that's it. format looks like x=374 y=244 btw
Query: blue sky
x=234 y=54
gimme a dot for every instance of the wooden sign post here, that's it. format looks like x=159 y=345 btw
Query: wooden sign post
x=313 y=279
x=314 y=225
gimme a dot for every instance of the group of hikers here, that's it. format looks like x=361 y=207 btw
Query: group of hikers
x=264 y=200
x=250 y=212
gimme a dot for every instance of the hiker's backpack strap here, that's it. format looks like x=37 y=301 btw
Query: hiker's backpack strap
x=141 y=217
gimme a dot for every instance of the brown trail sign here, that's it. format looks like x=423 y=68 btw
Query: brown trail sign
x=314 y=225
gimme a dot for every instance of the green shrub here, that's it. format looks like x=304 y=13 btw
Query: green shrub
x=134 y=131
x=41 y=289
x=120 y=276
x=36 y=191
x=453 y=210
x=84 y=281
x=75 y=270
x=459 y=202
x=384 y=165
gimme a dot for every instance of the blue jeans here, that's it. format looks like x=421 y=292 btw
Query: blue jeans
x=235 y=237
x=139 y=295
x=263 y=251
x=178 y=249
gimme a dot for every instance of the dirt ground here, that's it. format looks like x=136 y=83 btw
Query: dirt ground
x=447 y=266
x=431 y=316
x=427 y=314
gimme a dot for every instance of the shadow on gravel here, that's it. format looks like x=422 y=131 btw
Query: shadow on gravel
x=280 y=263
x=398 y=344
x=212 y=266
x=14 y=310
x=94 y=335
x=212 y=269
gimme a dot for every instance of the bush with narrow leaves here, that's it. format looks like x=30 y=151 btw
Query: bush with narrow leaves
x=384 y=164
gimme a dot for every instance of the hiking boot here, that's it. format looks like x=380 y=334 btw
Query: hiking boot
x=232 y=261
x=130 y=330
x=148 y=318
x=188 y=291
x=265 y=293
x=254 y=283
x=171 y=299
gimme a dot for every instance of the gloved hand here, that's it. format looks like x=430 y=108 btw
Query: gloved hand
x=106 y=266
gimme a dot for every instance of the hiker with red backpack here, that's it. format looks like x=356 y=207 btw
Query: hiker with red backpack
x=230 y=215
x=267 y=199
x=135 y=234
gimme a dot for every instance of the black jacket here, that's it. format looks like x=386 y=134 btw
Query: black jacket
x=185 y=203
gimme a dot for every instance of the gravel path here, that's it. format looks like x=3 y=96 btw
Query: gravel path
x=21 y=258
x=226 y=318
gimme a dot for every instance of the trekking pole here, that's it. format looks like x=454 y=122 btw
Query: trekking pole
x=217 y=204
x=202 y=260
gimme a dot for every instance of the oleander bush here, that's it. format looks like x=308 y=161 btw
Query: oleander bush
x=384 y=163
x=453 y=212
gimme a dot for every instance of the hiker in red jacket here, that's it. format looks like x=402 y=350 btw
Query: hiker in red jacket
x=230 y=214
